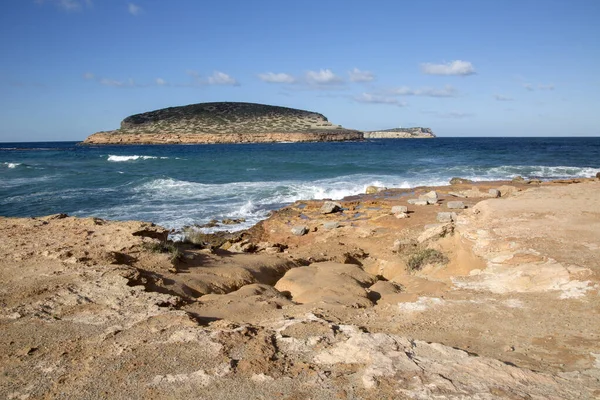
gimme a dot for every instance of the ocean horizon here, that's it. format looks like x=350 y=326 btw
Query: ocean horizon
x=179 y=185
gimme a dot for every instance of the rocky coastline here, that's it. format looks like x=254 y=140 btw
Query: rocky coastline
x=473 y=290
x=401 y=133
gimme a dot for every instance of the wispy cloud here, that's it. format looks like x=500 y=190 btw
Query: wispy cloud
x=500 y=97
x=68 y=5
x=221 y=78
x=457 y=67
x=378 y=99
x=89 y=76
x=116 y=83
x=531 y=87
x=271 y=77
x=356 y=75
x=161 y=82
x=322 y=77
x=134 y=9
x=446 y=91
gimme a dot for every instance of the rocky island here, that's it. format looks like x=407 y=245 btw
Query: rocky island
x=224 y=122
x=401 y=133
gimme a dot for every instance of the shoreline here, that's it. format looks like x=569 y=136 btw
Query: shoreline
x=368 y=297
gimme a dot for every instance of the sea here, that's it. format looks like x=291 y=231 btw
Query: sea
x=186 y=185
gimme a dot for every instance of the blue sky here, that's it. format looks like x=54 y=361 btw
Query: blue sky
x=70 y=68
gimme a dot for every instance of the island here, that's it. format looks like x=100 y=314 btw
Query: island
x=224 y=122
x=401 y=133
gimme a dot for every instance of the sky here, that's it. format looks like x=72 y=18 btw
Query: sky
x=69 y=68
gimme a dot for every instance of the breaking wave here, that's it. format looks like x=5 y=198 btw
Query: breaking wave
x=116 y=158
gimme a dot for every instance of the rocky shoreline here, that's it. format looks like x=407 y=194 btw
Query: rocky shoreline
x=473 y=290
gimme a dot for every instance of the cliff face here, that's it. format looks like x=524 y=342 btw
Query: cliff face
x=401 y=133
x=224 y=122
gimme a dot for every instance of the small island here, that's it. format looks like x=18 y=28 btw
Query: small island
x=401 y=133
x=224 y=122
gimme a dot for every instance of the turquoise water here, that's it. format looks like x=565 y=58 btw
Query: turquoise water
x=191 y=184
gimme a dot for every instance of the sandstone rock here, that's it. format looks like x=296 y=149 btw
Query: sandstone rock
x=435 y=231
x=330 y=207
x=446 y=216
x=331 y=225
x=382 y=289
x=494 y=192
x=418 y=202
x=328 y=282
x=299 y=230
x=458 y=181
x=399 y=209
x=518 y=179
x=242 y=247
x=456 y=205
x=403 y=245
x=430 y=197
x=374 y=189
x=401 y=215
x=597 y=175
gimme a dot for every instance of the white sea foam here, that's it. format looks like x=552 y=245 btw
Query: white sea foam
x=116 y=158
x=11 y=165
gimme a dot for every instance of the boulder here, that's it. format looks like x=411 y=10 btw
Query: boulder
x=401 y=215
x=242 y=247
x=232 y=221
x=330 y=207
x=458 y=181
x=399 y=209
x=383 y=290
x=435 y=231
x=299 y=230
x=328 y=282
x=494 y=192
x=597 y=175
x=374 y=189
x=331 y=225
x=430 y=197
x=446 y=216
x=456 y=205
x=518 y=179
x=418 y=202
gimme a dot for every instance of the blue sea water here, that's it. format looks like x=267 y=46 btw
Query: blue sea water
x=183 y=185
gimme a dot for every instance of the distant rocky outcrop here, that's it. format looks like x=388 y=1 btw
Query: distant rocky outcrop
x=224 y=122
x=401 y=133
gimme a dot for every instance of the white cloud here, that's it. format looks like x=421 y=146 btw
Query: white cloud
x=67 y=5
x=271 y=77
x=457 y=67
x=322 y=77
x=160 y=82
x=116 y=83
x=89 y=76
x=500 y=97
x=356 y=75
x=221 y=78
x=378 y=99
x=446 y=91
x=134 y=9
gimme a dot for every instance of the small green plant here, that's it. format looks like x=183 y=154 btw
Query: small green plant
x=420 y=258
x=165 y=247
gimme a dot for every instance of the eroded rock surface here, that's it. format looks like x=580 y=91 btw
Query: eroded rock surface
x=100 y=309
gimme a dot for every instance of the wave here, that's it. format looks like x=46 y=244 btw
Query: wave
x=116 y=158
x=11 y=165
x=507 y=172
